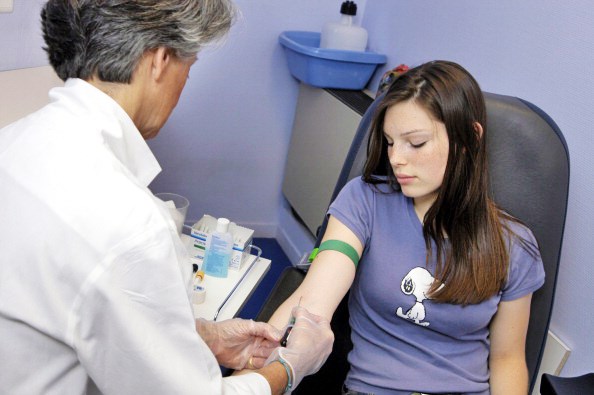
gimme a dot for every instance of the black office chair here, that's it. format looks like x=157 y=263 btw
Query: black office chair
x=529 y=175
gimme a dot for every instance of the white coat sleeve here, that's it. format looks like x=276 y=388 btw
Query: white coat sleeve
x=133 y=329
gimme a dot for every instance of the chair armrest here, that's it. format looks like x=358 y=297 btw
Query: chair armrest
x=555 y=385
x=287 y=283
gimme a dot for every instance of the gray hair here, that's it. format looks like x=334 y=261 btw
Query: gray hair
x=107 y=38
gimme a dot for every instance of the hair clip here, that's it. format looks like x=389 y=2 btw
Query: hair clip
x=389 y=77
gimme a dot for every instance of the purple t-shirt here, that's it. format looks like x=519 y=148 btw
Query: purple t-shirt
x=402 y=340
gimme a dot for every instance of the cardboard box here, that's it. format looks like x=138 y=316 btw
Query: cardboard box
x=242 y=239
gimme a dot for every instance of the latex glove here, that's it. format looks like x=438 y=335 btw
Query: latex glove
x=236 y=342
x=308 y=347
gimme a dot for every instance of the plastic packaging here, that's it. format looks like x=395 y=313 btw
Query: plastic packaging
x=242 y=239
x=219 y=246
x=344 y=35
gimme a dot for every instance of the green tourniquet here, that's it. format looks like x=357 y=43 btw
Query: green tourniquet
x=336 y=245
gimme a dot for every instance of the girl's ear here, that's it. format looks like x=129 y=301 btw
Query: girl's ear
x=478 y=129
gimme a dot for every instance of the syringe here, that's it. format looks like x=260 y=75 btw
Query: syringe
x=285 y=337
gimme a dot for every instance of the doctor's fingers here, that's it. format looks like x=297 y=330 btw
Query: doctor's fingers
x=265 y=343
x=257 y=362
x=265 y=331
x=264 y=350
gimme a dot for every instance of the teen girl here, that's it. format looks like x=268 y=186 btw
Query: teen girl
x=440 y=299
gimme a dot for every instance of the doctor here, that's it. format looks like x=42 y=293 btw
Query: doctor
x=93 y=277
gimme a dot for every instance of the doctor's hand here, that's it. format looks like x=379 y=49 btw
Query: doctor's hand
x=308 y=346
x=237 y=343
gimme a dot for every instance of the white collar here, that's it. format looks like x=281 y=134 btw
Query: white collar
x=114 y=124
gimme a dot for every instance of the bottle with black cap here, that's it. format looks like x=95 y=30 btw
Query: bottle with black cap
x=344 y=35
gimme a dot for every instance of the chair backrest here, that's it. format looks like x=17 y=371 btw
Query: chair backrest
x=529 y=176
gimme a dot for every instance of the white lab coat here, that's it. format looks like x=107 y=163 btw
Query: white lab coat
x=93 y=278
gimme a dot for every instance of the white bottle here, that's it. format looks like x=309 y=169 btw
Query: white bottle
x=218 y=249
x=344 y=35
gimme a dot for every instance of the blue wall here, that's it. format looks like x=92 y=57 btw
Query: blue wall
x=20 y=37
x=225 y=145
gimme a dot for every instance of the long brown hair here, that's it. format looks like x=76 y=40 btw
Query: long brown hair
x=467 y=227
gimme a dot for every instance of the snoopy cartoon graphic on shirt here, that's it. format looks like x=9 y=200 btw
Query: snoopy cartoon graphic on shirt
x=417 y=283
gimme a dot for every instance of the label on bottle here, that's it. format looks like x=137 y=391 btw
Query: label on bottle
x=218 y=254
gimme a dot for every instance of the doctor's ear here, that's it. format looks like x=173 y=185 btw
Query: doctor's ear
x=160 y=60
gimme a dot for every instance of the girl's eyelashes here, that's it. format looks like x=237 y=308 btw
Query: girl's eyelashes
x=416 y=142
x=418 y=145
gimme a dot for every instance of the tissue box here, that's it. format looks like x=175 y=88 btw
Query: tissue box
x=242 y=239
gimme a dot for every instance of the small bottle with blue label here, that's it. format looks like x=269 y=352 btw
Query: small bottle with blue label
x=219 y=246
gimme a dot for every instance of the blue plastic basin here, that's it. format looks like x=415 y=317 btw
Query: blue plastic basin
x=327 y=68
